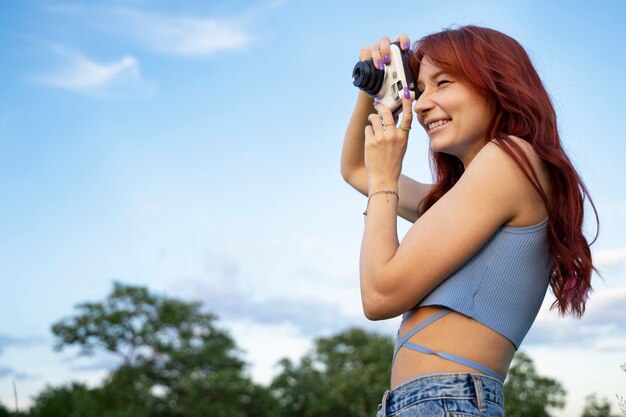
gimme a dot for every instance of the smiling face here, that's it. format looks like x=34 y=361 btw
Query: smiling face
x=454 y=116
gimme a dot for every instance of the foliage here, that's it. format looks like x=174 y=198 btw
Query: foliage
x=175 y=362
x=4 y=412
x=72 y=400
x=528 y=394
x=342 y=375
x=596 y=408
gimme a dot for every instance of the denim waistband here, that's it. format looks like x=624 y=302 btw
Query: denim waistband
x=480 y=388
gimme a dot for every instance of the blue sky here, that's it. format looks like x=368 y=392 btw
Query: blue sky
x=193 y=147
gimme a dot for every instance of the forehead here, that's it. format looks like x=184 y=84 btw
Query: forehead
x=428 y=70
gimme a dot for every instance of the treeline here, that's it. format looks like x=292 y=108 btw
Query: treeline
x=175 y=362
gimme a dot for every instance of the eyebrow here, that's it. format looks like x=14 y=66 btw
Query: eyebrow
x=432 y=77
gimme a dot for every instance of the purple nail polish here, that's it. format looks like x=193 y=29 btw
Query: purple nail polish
x=376 y=103
x=380 y=64
x=407 y=46
x=387 y=59
x=406 y=93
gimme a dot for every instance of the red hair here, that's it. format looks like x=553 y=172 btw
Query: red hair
x=497 y=67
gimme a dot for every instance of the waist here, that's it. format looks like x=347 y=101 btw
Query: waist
x=444 y=385
x=456 y=341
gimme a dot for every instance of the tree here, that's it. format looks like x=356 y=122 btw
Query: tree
x=173 y=357
x=528 y=394
x=72 y=400
x=596 y=408
x=4 y=412
x=342 y=375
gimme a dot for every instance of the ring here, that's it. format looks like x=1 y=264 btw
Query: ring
x=406 y=129
x=388 y=124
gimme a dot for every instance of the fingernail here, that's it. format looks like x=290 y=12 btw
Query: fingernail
x=387 y=60
x=376 y=103
x=380 y=64
x=406 y=92
x=407 y=46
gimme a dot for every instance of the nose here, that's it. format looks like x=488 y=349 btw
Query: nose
x=422 y=106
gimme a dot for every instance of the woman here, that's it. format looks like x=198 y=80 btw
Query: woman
x=502 y=221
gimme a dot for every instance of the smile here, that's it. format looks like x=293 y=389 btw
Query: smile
x=438 y=123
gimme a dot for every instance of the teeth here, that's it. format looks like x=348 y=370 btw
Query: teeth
x=438 y=123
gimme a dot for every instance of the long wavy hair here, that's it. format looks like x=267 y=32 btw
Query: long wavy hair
x=497 y=67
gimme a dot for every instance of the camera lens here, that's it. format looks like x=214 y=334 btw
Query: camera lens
x=367 y=77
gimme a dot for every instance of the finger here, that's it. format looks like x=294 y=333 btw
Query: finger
x=365 y=54
x=405 y=42
x=407 y=114
x=376 y=56
x=385 y=49
x=369 y=133
x=376 y=124
x=385 y=114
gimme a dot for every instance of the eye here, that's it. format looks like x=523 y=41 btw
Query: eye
x=440 y=83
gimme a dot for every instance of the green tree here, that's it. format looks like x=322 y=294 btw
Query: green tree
x=596 y=408
x=342 y=375
x=4 y=412
x=173 y=358
x=528 y=394
x=72 y=400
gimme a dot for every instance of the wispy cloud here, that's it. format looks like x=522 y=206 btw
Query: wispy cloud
x=182 y=35
x=167 y=34
x=616 y=207
x=603 y=327
x=6 y=372
x=227 y=291
x=610 y=258
x=9 y=341
x=119 y=79
x=311 y=316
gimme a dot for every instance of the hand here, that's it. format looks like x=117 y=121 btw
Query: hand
x=380 y=51
x=385 y=145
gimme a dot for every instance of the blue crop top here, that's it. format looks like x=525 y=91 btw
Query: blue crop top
x=502 y=286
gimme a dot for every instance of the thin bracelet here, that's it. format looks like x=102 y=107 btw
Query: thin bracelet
x=386 y=192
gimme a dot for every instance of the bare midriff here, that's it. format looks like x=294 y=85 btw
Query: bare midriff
x=454 y=333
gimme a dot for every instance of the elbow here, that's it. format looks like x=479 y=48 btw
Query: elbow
x=377 y=307
x=373 y=315
x=346 y=174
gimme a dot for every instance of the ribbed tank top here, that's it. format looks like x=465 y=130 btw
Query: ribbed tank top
x=503 y=284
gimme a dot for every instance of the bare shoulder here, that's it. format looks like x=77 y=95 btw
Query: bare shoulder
x=531 y=205
x=528 y=149
x=496 y=167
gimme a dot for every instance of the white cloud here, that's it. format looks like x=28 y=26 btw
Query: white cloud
x=182 y=35
x=613 y=208
x=7 y=341
x=610 y=258
x=6 y=372
x=603 y=326
x=175 y=35
x=231 y=300
x=78 y=73
x=611 y=345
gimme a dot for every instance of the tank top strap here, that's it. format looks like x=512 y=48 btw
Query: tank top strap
x=402 y=340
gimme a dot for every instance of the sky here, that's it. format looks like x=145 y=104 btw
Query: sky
x=193 y=147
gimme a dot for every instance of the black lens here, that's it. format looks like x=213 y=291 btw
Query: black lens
x=367 y=77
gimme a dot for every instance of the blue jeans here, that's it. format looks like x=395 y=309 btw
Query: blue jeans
x=444 y=395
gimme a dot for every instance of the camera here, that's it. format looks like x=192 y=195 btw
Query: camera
x=387 y=85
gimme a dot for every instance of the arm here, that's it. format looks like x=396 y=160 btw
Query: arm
x=352 y=156
x=395 y=277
